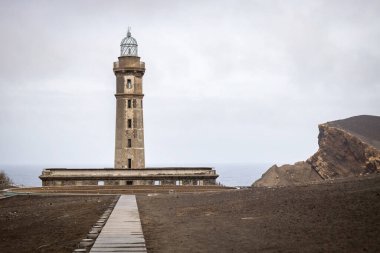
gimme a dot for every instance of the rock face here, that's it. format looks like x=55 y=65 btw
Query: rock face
x=347 y=148
x=344 y=152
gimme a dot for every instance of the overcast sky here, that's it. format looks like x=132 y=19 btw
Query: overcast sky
x=225 y=81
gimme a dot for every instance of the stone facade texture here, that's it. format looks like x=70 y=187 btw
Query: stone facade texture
x=129 y=137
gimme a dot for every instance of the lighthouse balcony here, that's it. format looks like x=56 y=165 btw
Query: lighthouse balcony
x=122 y=64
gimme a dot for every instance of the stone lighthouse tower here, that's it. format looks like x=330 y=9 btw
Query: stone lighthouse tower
x=129 y=139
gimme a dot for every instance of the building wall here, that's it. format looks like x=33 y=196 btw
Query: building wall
x=191 y=171
x=157 y=176
x=126 y=182
x=129 y=71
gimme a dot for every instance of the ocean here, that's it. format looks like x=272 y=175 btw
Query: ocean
x=229 y=174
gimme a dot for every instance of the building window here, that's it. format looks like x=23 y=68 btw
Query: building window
x=100 y=183
x=157 y=182
x=129 y=83
x=134 y=103
x=129 y=103
x=129 y=163
x=141 y=104
x=129 y=182
x=178 y=182
x=129 y=123
x=129 y=143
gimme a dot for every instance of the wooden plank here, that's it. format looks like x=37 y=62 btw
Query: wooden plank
x=122 y=231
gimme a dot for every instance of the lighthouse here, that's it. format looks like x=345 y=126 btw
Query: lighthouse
x=129 y=168
x=129 y=138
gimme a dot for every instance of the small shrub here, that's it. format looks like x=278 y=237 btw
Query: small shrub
x=5 y=181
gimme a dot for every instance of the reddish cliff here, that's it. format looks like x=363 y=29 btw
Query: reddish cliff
x=347 y=148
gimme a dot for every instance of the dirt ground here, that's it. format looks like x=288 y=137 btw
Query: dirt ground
x=48 y=223
x=114 y=189
x=329 y=217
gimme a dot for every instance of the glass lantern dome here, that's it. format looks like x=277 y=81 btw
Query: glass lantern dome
x=128 y=46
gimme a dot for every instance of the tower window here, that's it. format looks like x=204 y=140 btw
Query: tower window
x=141 y=104
x=129 y=163
x=129 y=103
x=129 y=123
x=129 y=143
x=129 y=83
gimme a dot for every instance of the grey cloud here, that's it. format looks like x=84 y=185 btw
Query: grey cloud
x=226 y=81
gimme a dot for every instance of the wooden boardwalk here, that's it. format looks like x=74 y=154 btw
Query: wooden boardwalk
x=122 y=232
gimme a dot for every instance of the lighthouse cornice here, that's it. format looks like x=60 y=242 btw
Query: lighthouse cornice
x=128 y=95
x=129 y=71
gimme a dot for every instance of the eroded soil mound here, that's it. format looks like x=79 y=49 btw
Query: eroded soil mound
x=299 y=173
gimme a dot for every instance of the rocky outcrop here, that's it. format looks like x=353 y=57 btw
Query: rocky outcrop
x=347 y=148
x=289 y=175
